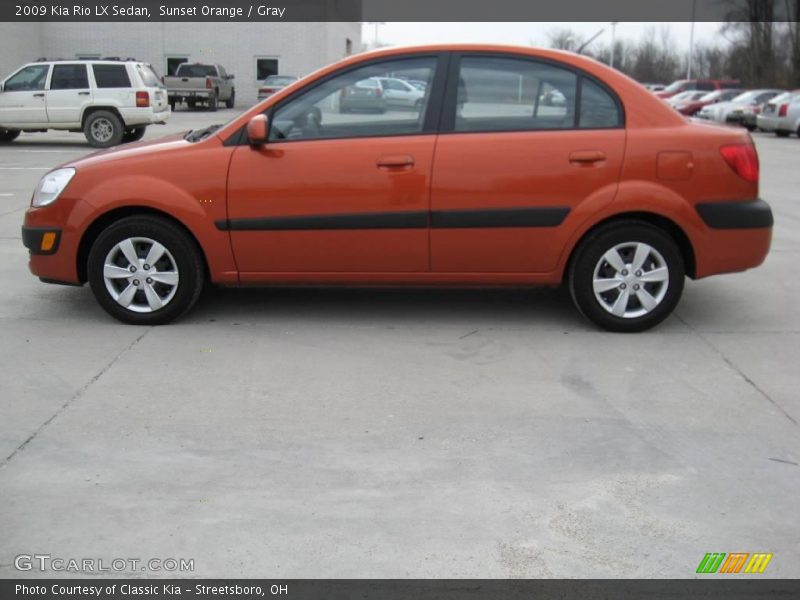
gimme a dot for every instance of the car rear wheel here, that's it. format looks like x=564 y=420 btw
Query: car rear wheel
x=133 y=135
x=626 y=276
x=782 y=133
x=103 y=129
x=212 y=103
x=230 y=102
x=145 y=271
x=8 y=135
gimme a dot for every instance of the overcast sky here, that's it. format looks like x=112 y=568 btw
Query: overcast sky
x=526 y=33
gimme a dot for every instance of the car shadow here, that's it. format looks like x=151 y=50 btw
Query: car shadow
x=506 y=307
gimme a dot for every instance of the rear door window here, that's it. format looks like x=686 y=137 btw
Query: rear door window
x=111 y=76
x=510 y=94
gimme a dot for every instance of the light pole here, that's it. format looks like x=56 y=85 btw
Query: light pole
x=613 y=42
x=589 y=41
x=691 y=42
x=377 y=24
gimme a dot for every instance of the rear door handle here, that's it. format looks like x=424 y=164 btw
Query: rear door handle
x=38 y=95
x=83 y=93
x=586 y=157
x=401 y=161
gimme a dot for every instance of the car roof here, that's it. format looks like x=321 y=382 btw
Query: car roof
x=87 y=60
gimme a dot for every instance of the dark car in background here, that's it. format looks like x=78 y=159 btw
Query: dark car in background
x=700 y=85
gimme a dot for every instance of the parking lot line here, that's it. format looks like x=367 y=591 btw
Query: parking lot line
x=24 y=168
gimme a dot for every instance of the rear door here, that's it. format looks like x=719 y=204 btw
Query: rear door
x=22 y=99
x=68 y=94
x=527 y=149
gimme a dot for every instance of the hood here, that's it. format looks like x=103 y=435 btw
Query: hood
x=124 y=151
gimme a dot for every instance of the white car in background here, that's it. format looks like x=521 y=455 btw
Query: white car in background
x=690 y=96
x=781 y=115
x=734 y=110
x=110 y=101
x=400 y=93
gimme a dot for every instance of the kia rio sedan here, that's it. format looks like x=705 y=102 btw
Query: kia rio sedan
x=610 y=192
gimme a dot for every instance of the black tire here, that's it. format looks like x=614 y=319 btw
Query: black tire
x=589 y=255
x=133 y=135
x=231 y=102
x=181 y=248
x=191 y=104
x=782 y=133
x=212 y=103
x=750 y=128
x=172 y=105
x=8 y=135
x=103 y=129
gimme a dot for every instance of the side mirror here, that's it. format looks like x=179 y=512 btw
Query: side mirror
x=258 y=130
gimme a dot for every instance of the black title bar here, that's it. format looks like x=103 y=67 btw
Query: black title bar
x=399 y=10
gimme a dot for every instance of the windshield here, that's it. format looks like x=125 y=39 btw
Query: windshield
x=675 y=86
x=196 y=71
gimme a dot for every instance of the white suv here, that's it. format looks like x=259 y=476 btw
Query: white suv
x=110 y=101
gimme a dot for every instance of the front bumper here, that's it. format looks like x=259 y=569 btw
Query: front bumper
x=41 y=240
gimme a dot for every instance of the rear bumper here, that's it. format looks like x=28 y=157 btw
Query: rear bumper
x=144 y=116
x=738 y=237
x=746 y=214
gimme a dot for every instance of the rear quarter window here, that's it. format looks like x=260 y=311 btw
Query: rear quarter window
x=111 y=76
x=599 y=110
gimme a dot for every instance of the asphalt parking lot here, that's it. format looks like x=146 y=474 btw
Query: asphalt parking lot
x=400 y=433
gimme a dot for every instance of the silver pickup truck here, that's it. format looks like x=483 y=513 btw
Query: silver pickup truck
x=195 y=83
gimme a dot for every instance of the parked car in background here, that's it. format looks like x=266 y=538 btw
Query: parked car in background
x=684 y=97
x=420 y=85
x=400 y=93
x=733 y=111
x=693 y=107
x=700 y=85
x=274 y=83
x=196 y=83
x=781 y=114
x=367 y=94
x=654 y=87
x=614 y=195
x=110 y=101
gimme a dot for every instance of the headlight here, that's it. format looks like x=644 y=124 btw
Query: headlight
x=51 y=186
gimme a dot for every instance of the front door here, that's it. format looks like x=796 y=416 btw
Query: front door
x=336 y=190
x=527 y=148
x=22 y=99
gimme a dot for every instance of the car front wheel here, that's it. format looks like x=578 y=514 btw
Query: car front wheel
x=145 y=270
x=626 y=276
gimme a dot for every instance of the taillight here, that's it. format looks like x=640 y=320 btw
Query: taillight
x=783 y=110
x=209 y=85
x=142 y=99
x=742 y=158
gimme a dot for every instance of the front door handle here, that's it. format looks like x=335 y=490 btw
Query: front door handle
x=401 y=161
x=38 y=95
x=587 y=157
x=83 y=93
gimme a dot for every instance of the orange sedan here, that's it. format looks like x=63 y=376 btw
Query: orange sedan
x=503 y=166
